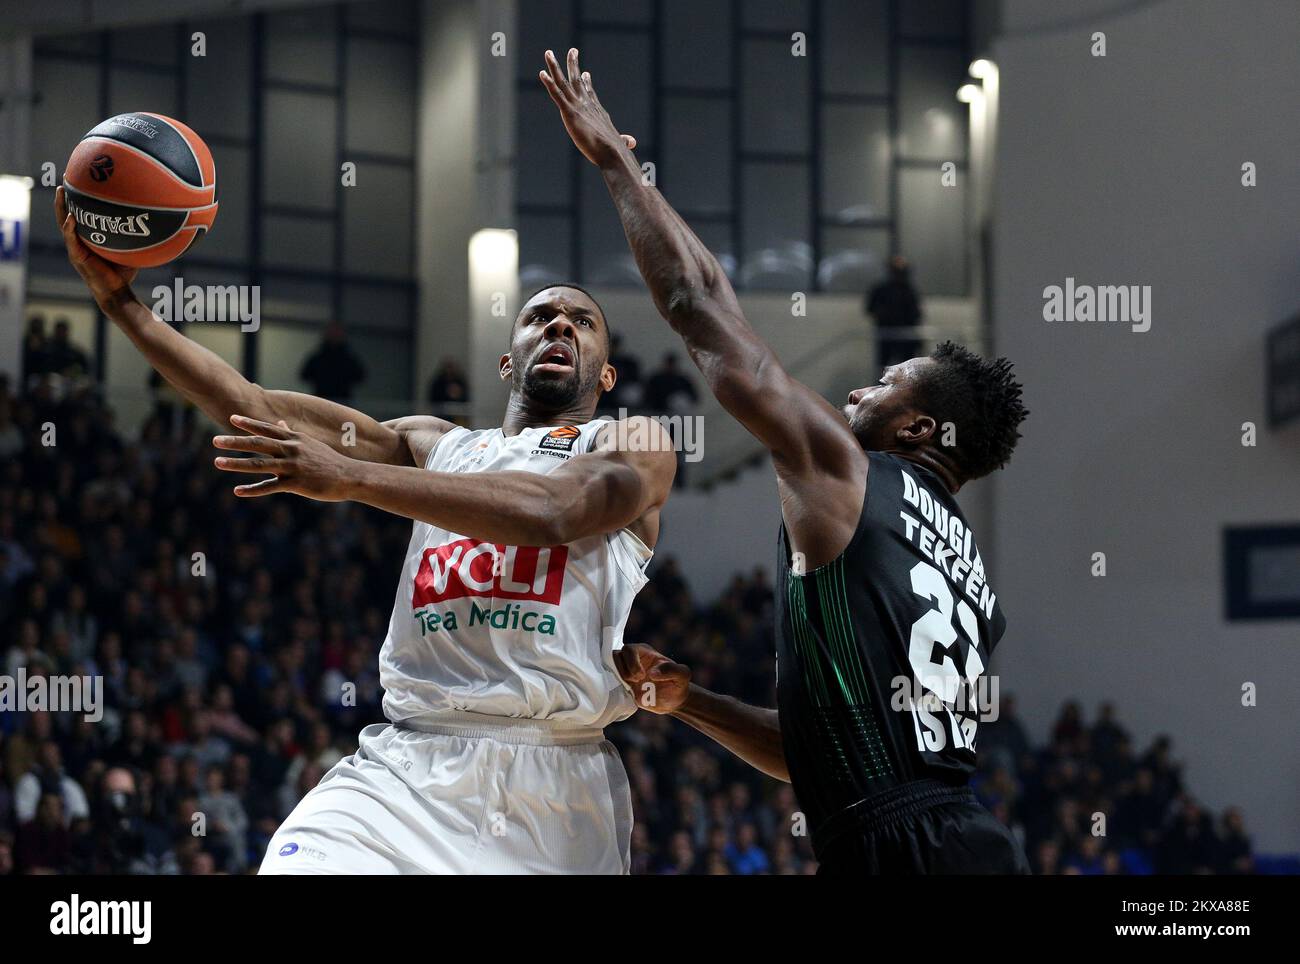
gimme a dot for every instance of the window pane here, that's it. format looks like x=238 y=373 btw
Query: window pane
x=696 y=171
x=228 y=239
x=543 y=25
x=377 y=306
x=379 y=100
x=390 y=16
x=387 y=360
x=58 y=123
x=932 y=231
x=774 y=98
x=75 y=43
x=855 y=59
x=934 y=18
x=853 y=259
x=225 y=340
x=546 y=155
x=297 y=299
x=300 y=47
x=932 y=120
x=298 y=242
x=282 y=347
x=708 y=25
x=131 y=90
x=776 y=227
x=544 y=244
x=620 y=66
x=855 y=162
x=776 y=14
x=606 y=258
x=300 y=127
x=617 y=11
x=218 y=86
x=147 y=45
x=377 y=221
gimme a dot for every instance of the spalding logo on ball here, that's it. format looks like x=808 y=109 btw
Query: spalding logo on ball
x=141 y=187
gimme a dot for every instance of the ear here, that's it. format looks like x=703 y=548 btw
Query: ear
x=506 y=368
x=608 y=377
x=917 y=430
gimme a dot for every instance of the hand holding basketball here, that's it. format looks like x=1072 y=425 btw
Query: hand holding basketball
x=587 y=122
x=109 y=283
x=658 y=684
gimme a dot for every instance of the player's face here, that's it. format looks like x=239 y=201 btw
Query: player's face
x=559 y=352
x=876 y=412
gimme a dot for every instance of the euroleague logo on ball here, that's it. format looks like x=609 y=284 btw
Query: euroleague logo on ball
x=101 y=168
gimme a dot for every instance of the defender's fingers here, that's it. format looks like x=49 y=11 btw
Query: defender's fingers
x=258 y=427
x=629 y=140
x=248 y=443
x=60 y=206
x=265 y=487
x=575 y=74
x=557 y=76
x=549 y=83
x=668 y=670
x=254 y=466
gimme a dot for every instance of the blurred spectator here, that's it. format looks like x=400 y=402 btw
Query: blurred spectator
x=628 y=391
x=668 y=391
x=229 y=694
x=62 y=357
x=333 y=370
x=449 y=391
x=895 y=307
x=35 y=350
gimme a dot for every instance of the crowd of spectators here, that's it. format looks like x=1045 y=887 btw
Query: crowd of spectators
x=237 y=641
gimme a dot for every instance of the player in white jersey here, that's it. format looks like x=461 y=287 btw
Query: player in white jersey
x=528 y=546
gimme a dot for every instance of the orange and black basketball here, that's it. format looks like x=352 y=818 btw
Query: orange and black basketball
x=142 y=187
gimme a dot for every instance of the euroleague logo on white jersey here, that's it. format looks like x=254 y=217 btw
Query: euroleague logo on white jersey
x=468 y=567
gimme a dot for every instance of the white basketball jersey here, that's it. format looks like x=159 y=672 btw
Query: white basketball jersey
x=515 y=631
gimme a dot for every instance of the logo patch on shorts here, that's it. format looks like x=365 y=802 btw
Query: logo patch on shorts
x=288 y=850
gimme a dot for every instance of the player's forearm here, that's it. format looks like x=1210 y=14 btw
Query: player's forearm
x=687 y=283
x=197 y=373
x=512 y=508
x=750 y=732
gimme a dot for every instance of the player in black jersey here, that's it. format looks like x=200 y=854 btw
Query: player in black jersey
x=886 y=618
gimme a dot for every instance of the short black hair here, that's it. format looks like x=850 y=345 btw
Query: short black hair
x=576 y=287
x=981 y=398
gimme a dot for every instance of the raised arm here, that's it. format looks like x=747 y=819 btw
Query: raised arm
x=622 y=483
x=220 y=391
x=661 y=686
x=692 y=293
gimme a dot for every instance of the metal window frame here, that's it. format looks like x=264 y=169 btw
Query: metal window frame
x=253 y=267
x=818 y=97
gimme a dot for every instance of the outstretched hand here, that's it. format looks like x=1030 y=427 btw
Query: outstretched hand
x=584 y=118
x=296 y=462
x=657 y=683
x=109 y=283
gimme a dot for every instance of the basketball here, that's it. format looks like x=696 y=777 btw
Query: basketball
x=142 y=188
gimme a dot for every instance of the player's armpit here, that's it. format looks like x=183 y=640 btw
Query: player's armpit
x=420 y=433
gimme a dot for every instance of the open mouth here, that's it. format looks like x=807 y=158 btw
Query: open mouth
x=555 y=358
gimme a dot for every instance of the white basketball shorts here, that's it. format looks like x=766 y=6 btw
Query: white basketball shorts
x=472 y=795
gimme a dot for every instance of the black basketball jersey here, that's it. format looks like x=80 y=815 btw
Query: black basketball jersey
x=880 y=652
